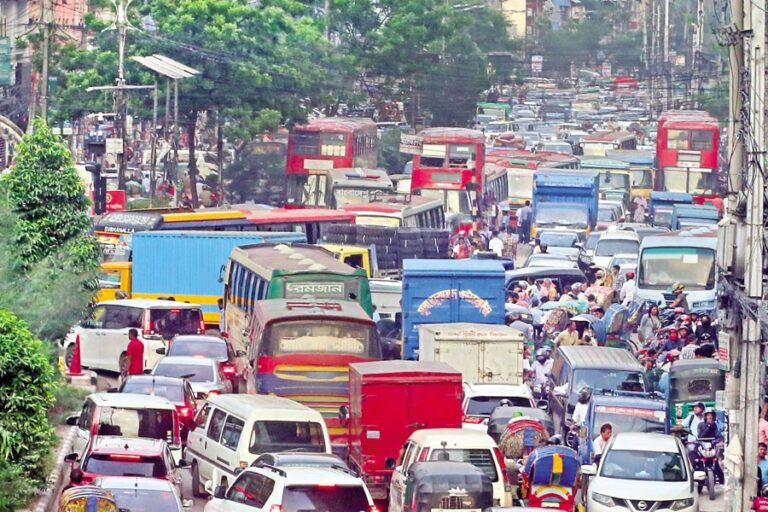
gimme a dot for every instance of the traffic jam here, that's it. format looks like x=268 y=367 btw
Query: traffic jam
x=524 y=318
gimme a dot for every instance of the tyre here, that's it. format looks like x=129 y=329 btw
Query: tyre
x=408 y=234
x=197 y=489
x=342 y=229
x=69 y=354
x=711 y=483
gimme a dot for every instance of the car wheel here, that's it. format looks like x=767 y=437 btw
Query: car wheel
x=123 y=363
x=69 y=354
x=197 y=489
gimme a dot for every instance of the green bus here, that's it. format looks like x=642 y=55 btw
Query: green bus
x=286 y=271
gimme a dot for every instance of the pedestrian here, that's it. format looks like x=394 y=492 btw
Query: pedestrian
x=601 y=441
x=222 y=317
x=510 y=244
x=134 y=362
x=762 y=430
x=461 y=249
x=75 y=478
x=617 y=281
x=496 y=245
x=762 y=466
x=649 y=324
x=524 y=217
x=628 y=290
x=569 y=337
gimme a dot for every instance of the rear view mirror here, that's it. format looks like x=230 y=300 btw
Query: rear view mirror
x=72 y=457
x=390 y=463
x=589 y=469
x=220 y=492
x=344 y=414
x=542 y=404
x=240 y=353
x=160 y=351
x=72 y=420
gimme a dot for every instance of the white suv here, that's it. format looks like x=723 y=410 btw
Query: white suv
x=104 y=333
x=268 y=488
x=642 y=472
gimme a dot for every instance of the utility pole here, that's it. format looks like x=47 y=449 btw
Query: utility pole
x=121 y=24
x=665 y=57
x=698 y=43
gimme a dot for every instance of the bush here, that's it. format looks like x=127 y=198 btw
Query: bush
x=27 y=387
x=15 y=489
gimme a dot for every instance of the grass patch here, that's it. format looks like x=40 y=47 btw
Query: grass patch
x=69 y=400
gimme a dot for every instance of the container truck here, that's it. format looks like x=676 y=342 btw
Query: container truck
x=565 y=199
x=449 y=291
x=491 y=354
x=692 y=215
x=187 y=265
x=389 y=401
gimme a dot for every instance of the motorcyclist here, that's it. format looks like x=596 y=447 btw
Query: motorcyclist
x=541 y=368
x=582 y=404
x=709 y=430
x=678 y=289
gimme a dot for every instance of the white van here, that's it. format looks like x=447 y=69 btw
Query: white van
x=231 y=431
x=455 y=444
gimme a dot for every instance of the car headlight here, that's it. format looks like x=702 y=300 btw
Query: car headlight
x=682 y=504
x=603 y=499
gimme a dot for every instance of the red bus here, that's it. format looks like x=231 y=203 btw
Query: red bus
x=450 y=159
x=687 y=154
x=301 y=350
x=321 y=145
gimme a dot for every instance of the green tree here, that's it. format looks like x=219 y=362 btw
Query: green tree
x=46 y=193
x=27 y=386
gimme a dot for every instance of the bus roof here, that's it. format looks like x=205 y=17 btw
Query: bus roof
x=290 y=258
x=452 y=135
x=691 y=124
x=632 y=156
x=607 y=136
x=337 y=124
x=604 y=163
x=361 y=178
x=704 y=237
x=271 y=310
x=393 y=203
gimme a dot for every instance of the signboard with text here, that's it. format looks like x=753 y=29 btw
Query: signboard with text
x=537 y=63
x=116 y=200
x=114 y=146
x=411 y=144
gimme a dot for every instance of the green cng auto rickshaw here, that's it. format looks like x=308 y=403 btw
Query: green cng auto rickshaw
x=447 y=486
x=692 y=381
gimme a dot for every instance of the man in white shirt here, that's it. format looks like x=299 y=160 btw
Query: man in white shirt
x=628 y=289
x=601 y=441
x=541 y=368
x=496 y=245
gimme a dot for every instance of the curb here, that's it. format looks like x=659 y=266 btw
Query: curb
x=48 y=500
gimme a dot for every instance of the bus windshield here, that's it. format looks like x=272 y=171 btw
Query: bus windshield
x=689 y=181
x=322 y=337
x=315 y=143
x=642 y=178
x=520 y=183
x=613 y=181
x=661 y=267
x=355 y=195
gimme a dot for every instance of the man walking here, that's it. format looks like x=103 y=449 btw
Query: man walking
x=524 y=215
x=134 y=364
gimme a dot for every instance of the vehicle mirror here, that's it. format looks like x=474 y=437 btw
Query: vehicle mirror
x=160 y=351
x=589 y=469
x=183 y=463
x=187 y=503
x=220 y=492
x=72 y=457
x=113 y=390
x=201 y=396
x=390 y=463
x=699 y=476
x=344 y=413
x=240 y=353
x=542 y=404
x=208 y=486
x=72 y=420
x=238 y=470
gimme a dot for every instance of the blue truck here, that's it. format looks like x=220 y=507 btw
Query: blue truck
x=187 y=265
x=661 y=204
x=693 y=215
x=449 y=291
x=565 y=199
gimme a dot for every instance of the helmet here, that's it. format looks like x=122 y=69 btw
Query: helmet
x=712 y=412
x=678 y=288
x=630 y=275
x=541 y=352
x=673 y=355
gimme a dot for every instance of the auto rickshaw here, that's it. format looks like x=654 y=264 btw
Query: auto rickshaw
x=521 y=436
x=616 y=333
x=591 y=325
x=87 y=498
x=551 y=478
x=501 y=416
x=436 y=485
x=692 y=381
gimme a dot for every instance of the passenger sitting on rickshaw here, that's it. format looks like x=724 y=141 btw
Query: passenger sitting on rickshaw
x=597 y=312
x=601 y=441
x=582 y=405
x=673 y=341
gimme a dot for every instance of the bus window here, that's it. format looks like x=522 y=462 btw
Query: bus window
x=701 y=140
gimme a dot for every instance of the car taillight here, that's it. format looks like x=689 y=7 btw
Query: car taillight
x=423 y=454
x=228 y=370
x=214 y=392
x=276 y=508
x=186 y=411
x=500 y=459
x=201 y=327
x=373 y=508
x=472 y=419
x=148 y=328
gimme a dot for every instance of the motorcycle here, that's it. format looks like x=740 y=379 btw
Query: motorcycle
x=707 y=459
x=760 y=503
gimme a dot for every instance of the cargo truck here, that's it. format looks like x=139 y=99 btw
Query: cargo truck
x=661 y=204
x=693 y=215
x=565 y=199
x=449 y=291
x=389 y=401
x=187 y=265
x=491 y=354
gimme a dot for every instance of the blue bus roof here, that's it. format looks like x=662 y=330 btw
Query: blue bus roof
x=632 y=157
x=604 y=163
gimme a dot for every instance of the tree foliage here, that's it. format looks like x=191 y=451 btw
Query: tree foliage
x=27 y=386
x=46 y=193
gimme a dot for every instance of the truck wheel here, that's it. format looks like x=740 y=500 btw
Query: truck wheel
x=197 y=489
x=69 y=354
